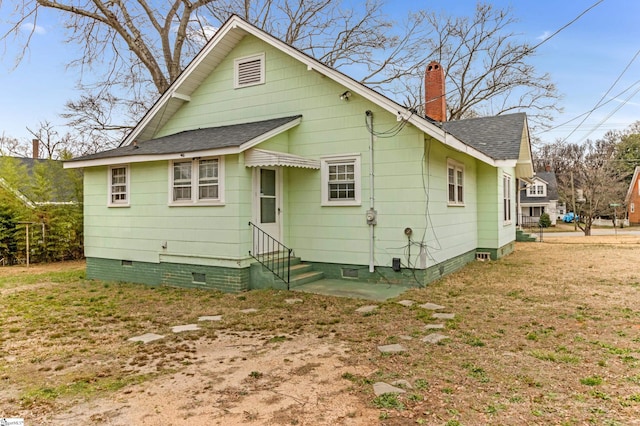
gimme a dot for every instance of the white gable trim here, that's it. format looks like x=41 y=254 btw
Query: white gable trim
x=237 y=25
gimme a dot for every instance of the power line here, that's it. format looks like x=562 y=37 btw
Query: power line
x=604 y=96
x=592 y=110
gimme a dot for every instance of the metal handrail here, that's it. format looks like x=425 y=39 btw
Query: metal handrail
x=271 y=253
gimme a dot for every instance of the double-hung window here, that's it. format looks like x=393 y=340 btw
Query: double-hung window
x=455 y=183
x=506 y=198
x=119 y=186
x=537 y=190
x=197 y=181
x=341 y=180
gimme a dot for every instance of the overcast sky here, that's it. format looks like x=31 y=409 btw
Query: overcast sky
x=584 y=61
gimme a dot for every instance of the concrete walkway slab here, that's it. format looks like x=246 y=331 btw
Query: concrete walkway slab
x=210 y=318
x=380 y=388
x=249 y=310
x=431 y=306
x=434 y=338
x=146 y=338
x=293 y=301
x=366 y=309
x=391 y=349
x=353 y=289
x=186 y=327
x=406 y=303
x=444 y=316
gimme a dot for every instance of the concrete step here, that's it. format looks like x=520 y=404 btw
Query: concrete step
x=300 y=268
x=305 y=278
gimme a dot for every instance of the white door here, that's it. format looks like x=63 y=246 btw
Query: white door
x=267 y=201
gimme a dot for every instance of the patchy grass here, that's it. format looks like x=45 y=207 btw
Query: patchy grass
x=547 y=335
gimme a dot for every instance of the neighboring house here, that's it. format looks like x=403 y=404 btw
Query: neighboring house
x=632 y=200
x=61 y=192
x=357 y=185
x=538 y=196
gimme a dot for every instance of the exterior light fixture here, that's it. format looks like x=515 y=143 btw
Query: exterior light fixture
x=345 y=96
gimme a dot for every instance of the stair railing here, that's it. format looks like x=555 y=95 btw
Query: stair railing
x=271 y=253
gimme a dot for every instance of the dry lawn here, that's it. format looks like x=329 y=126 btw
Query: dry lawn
x=549 y=335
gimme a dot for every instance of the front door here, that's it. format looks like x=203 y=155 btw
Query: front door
x=268 y=200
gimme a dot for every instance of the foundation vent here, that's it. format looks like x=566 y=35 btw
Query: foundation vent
x=483 y=256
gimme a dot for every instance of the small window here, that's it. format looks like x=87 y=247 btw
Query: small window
x=537 y=190
x=506 y=198
x=632 y=207
x=455 y=183
x=249 y=71
x=341 y=181
x=119 y=186
x=197 y=181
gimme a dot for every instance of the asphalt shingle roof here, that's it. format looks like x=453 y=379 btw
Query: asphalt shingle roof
x=499 y=137
x=552 y=189
x=196 y=140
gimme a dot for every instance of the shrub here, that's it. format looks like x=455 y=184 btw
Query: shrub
x=545 y=220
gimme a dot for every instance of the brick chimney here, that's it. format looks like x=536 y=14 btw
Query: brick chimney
x=435 y=106
x=35 y=143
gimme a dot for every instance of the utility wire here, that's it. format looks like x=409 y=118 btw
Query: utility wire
x=604 y=96
x=532 y=49
x=592 y=110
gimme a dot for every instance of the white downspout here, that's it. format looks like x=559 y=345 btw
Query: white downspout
x=371 y=214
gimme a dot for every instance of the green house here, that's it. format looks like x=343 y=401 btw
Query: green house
x=259 y=152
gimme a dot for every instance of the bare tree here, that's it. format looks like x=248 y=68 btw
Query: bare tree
x=11 y=147
x=140 y=47
x=589 y=169
x=487 y=67
x=51 y=142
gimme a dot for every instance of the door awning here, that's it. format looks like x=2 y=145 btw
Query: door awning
x=263 y=158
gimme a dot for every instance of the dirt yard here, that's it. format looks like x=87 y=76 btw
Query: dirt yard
x=547 y=335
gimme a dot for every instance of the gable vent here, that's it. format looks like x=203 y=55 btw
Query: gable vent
x=249 y=71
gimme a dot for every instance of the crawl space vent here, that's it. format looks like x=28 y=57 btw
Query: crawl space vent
x=483 y=256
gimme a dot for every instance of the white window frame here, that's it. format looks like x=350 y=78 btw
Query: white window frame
x=325 y=163
x=506 y=198
x=195 y=183
x=632 y=207
x=458 y=174
x=127 y=176
x=239 y=62
x=533 y=190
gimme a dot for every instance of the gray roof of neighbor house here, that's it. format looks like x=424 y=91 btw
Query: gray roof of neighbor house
x=552 y=189
x=499 y=137
x=196 y=140
x=62 y=191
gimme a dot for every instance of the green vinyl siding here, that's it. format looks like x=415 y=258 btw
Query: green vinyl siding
x=410 y=183
x=138 y=232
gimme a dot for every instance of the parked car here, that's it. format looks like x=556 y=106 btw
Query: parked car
x=569 y=217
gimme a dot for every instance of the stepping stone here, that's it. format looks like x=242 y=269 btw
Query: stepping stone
x=380 y=388
x=186 y=327
x=444 y=316
x=249 y=311
x=434 y=338
x=210 y=318
x=434 y=326
x=292 y=301
x=146 y=338
x=391 y=349
x=404 y=337
x=402 y=383
x=406 y=303
x=368 y=308
x=431 y=306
